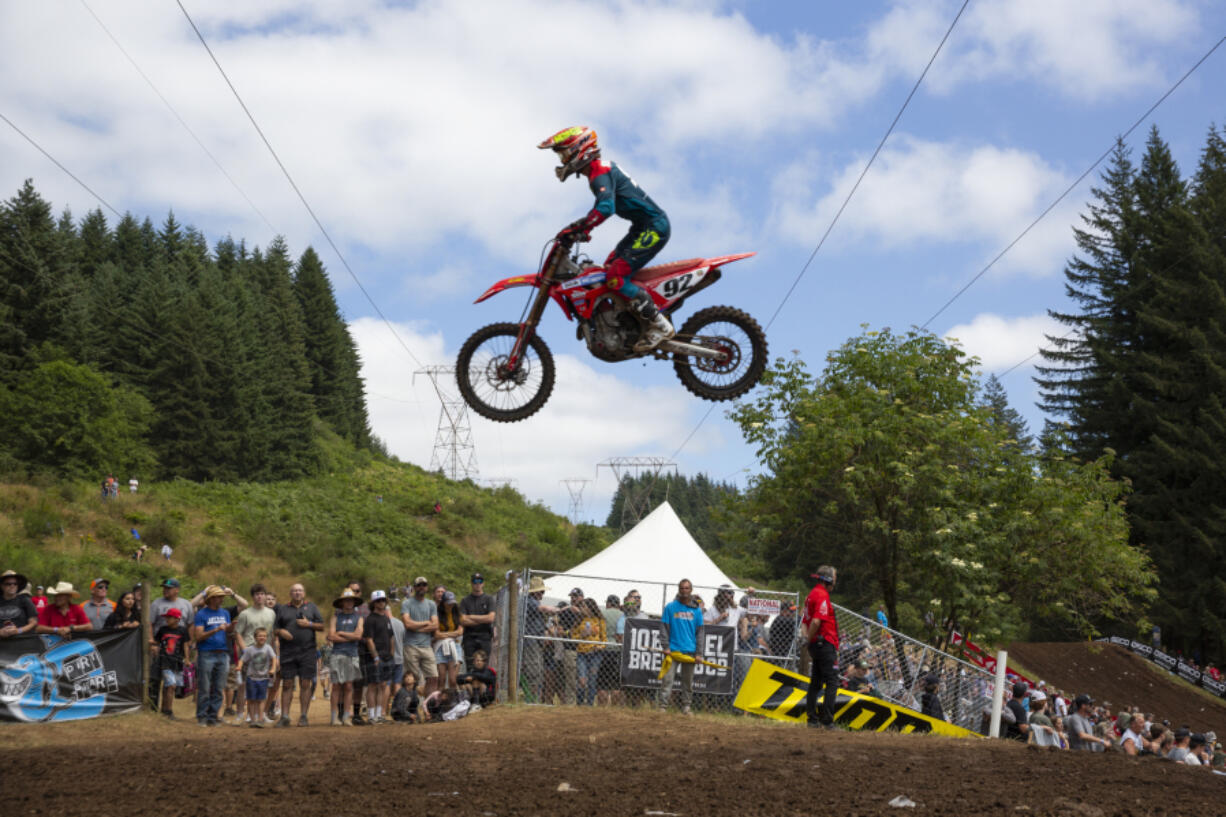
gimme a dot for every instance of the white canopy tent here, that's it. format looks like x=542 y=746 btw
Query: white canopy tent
x=652 y=557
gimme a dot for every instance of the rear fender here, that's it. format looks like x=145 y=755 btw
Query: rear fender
x=533 y=280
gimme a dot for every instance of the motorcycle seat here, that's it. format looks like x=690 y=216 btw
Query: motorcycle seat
x=648 y=274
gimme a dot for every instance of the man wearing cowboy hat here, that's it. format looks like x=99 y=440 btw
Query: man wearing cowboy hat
x=18 y=615
x=61 y=617
x=209 y=630
x=344 y=667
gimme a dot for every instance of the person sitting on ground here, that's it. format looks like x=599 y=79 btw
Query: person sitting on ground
x=18 y=614
x=125 y=616
x=1132 y=742
x=480 y=681
x=257 y=664
x=1197 y=752
x=1183 y=737
x=173 y=642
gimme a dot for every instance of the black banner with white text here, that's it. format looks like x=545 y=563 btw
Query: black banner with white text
x=48 y=678
x=1172 y=664
x=644 y=648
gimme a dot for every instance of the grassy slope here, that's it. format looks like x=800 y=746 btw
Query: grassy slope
x=324 y=530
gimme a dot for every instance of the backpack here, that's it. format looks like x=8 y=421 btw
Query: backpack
x=189 y=681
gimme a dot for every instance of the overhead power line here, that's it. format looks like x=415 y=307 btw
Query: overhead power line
x=846 y=200
x=1072 y=186
x=176 y=115
x=56 y=162
x=294 y=185
x=868 y=164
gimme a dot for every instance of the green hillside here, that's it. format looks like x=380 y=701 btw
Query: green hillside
x=323 y=530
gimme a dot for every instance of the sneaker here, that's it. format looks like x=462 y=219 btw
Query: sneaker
x=170 y=716
x=283 y=722
x=685 y=710
x=230 y=712
x=213 y=722
x=255 y=725
x=302 y=721
x=346 y=722
x=658 y=331
x=357 y=720
x=202 y=721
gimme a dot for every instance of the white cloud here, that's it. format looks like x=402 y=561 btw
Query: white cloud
x=1001 y=342
x=590 y=417
x=939 y=192
x=1085 y=49
x=405 y=126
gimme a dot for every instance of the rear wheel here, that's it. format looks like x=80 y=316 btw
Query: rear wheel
x=491 y=388
x=732 y=332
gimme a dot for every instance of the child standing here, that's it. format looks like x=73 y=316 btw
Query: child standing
x=172 y=640
x=257 y=664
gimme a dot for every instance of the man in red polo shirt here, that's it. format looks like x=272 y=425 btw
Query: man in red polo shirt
x=822 y=633
x=61 y=617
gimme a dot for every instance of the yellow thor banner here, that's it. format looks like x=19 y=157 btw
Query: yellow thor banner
x=780 y=694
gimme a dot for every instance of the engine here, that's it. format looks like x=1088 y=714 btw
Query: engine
x=611 y=333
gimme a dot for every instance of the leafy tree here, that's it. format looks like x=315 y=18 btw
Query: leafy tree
x=890 y=467
x=697 y=501
x=69 y=419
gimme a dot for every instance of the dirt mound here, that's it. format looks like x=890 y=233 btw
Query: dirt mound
x=1111 y=673
x=513 y=761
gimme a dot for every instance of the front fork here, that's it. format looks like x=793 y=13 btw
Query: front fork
x=534 y=314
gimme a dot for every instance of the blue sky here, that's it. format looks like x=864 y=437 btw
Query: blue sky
x=411 y=129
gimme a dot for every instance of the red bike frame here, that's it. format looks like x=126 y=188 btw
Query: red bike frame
x=666 y=284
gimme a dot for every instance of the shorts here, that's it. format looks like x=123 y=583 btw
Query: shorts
x=397 y=674
x=380 y=673
x=257 y=689
x=170 y=678
x=420 y=662
x=344 y=668
x=446 y=651
x=302 y=666
x=232 y=677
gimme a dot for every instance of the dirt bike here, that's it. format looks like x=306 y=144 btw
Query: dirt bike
x=505 y=371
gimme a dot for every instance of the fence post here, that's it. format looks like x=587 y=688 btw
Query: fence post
x=513 y=639
x=145 y=658
x=998 y=693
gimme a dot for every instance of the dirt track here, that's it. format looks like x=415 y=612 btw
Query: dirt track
x=1112 y=674
x=511 y=761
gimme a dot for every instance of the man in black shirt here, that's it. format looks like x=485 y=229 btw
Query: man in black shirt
x=1019 y=729
x=477 y=616
x=296 y=625
x=18 y=615
x=377 y=633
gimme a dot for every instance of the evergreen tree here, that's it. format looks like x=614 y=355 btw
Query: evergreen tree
x=995 y=398
x=336 y=383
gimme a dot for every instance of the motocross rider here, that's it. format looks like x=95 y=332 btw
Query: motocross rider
x=615 y=192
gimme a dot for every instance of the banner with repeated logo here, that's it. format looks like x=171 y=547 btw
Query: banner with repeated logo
x=48 y=678
x=1172 y=664
x=643 y=650
x=779 y=693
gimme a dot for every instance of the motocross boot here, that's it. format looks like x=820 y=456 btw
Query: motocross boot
x=657 y=330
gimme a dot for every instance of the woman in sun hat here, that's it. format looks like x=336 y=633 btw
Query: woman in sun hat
x=61 y=617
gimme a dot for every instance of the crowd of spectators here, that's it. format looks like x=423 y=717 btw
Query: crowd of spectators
x=242 y=660
x=1082 y=724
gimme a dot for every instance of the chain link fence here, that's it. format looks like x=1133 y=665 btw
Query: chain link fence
x=579 y=650
x=607 y=650
x=896 y=667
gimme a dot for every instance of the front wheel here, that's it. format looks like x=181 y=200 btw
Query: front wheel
x=493 y=389
x=742 y=342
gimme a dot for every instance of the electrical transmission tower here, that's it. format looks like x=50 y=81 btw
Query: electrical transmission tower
x=636 y=495
x=454 y=453
x=575 y=486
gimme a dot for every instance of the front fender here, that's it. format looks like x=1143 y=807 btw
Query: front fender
x=507 y=283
